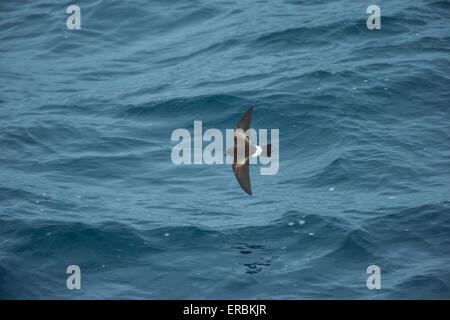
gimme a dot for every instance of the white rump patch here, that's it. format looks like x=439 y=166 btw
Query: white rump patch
x=257 y=152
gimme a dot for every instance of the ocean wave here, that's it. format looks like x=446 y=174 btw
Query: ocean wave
x=85 y=150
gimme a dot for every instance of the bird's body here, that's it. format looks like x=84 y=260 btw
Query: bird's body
x=243 y=150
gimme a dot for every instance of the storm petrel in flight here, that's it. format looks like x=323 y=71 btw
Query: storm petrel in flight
x=241 y=159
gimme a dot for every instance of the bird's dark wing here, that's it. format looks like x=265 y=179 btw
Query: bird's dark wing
x=241 y=164
x=242 y=173
x=244 y=123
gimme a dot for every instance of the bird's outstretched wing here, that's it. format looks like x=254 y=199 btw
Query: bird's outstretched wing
x=242 y=173
x=244 y=123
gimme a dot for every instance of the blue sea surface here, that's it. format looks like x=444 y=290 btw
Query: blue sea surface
x=86 y=176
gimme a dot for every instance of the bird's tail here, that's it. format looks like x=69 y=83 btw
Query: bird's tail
x=266 y=151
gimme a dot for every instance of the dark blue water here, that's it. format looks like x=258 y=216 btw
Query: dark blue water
x=86 y=176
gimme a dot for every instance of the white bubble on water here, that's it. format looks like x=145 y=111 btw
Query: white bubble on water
x=331 y=189
x=290 y=224
x=311 y=234
x=166 y=234
x=48 y=234
x=301 y=222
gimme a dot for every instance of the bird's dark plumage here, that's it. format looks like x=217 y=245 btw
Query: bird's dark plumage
x=243 y=150
x=242 y=173
x=241 y=162
x=244 y=123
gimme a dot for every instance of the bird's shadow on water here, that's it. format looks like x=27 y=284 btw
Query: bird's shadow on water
x=254 y=267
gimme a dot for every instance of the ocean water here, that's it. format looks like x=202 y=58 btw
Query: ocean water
x=86 y=176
